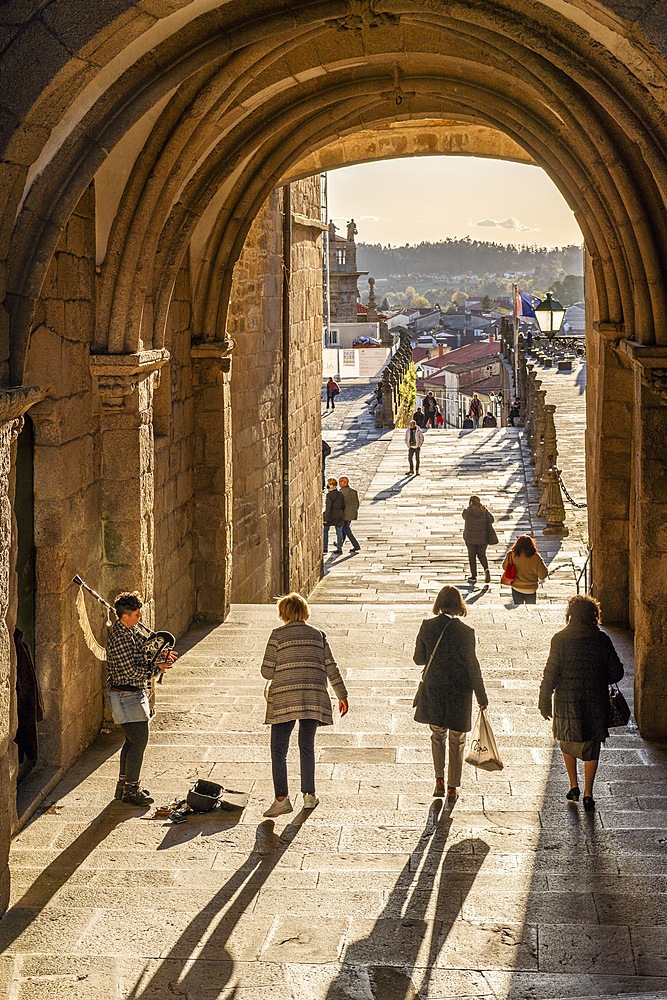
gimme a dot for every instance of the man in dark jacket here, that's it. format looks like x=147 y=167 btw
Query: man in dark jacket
x=429 y=407
x=351 y=498
x=489 y=420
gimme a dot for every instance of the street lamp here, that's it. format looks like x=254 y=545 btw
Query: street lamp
x=549 y=315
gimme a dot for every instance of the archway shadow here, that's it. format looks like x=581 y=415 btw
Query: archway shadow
x=19 y=917
x=382 y=964
x=206 y=936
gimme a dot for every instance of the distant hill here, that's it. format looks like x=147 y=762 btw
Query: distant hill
x=458 y=257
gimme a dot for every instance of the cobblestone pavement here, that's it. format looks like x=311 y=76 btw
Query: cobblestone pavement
x=379 y=892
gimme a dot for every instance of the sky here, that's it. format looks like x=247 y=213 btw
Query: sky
x=428 y=198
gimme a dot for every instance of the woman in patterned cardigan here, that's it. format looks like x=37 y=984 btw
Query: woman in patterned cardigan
x=298 y=663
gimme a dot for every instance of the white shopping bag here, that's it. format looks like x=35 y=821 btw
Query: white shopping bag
x=483 y=747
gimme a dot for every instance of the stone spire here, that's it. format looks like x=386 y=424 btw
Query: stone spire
x=372 y=316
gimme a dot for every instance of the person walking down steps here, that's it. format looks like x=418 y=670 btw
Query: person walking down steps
x=477 y=534
x=332 y=391
x=299 y=664
x=350 y=513
x=414 y=439
x=444 y=698
x=334 y=515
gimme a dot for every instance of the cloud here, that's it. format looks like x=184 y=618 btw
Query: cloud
x=509 y=223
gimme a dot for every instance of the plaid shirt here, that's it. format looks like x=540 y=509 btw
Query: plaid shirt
x=126 y=659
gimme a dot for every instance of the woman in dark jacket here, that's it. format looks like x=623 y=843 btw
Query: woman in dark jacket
x=477 y=534
x=334 y=515
x=445 y=697
x=582 y=664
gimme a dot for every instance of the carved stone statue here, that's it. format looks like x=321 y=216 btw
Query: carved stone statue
x=351 y=231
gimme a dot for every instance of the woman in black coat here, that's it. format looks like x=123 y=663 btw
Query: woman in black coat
x=582 y=664
x=334 y=515
x=477 y=534
x=444 y=701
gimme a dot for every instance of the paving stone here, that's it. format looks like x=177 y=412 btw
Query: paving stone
x=381 y=891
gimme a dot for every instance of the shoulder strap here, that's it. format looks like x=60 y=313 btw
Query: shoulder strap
x=435 y=649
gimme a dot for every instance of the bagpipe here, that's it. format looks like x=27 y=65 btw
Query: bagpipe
x=157 y=644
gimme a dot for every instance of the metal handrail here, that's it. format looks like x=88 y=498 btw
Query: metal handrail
x=586 y=572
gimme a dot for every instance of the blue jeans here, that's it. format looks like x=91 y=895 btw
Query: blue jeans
x=339 y=535
x=520 y=598
x=347 y=533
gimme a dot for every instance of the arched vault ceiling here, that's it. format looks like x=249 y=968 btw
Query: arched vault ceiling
x=428 y=138
x=235 y=97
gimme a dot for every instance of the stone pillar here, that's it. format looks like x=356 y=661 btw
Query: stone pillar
x=13 y=404
x=538 y=424
x=648 y=541
x=609 y=433
x=125 y=384
x=211 y=364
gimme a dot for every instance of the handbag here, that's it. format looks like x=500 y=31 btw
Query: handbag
x=483 y=747
x=491 y=536
x=619 y=710
x=430 y=661
x=509 y=573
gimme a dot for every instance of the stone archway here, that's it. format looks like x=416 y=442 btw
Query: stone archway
x=173 y=123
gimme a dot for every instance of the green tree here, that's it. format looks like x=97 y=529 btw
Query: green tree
x=486 y=302
x=569 y=290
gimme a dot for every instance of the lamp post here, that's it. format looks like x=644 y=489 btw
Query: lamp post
x=549 y=314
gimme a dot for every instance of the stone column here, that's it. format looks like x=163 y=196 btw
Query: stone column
x=609 y=433
x=125 y=384
x=13 y=404
x=211 y=368
x=648 y=539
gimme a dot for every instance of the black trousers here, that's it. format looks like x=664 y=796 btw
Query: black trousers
x=413 y=457
x=132 y=751
x=331 y=397
x=476 y=552
x=280 y=737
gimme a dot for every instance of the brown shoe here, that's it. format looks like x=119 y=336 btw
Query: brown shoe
x=439 y=790
x=452 y=794
x=487 y=576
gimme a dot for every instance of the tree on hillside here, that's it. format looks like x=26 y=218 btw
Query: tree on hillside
x=569 y=290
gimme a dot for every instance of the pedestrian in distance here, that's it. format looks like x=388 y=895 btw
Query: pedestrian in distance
x=326 y=451
x=489 y=420
x=299 y=664
x=478 y=533
x=351 y=512
x=429 y=407
x=515 y=412
x=444 y=698
x=575 y=690
x=130 y=668
x=530 y=569
x=334 y=515
x=332 y=391
x=419 y=417
x=414 y=439
x=476 y=410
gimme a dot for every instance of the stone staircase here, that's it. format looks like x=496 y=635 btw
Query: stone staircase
x=410 y=528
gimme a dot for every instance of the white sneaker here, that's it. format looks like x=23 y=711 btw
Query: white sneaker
x=278 y=808
x=310 y=801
